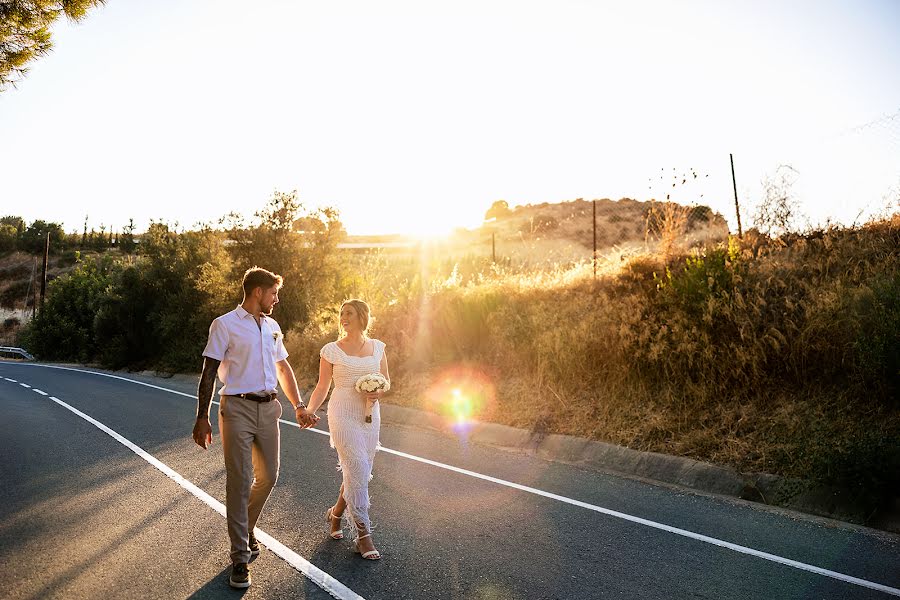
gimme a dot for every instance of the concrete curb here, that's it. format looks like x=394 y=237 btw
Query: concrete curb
x=764 y=488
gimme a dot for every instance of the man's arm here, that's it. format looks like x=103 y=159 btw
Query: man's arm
x=202 y=427
x=207 y=386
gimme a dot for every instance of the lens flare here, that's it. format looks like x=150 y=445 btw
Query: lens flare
x=461 y=394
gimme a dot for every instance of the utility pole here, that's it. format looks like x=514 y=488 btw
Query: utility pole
x=737 y=208
x=594 y=227
x=44 y=272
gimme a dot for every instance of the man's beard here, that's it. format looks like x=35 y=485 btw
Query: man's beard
x=269 y=311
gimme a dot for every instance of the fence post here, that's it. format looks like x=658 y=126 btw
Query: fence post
x=594 y=227
x=737 y=208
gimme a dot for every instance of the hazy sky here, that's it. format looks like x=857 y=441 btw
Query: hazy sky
x=186 y=110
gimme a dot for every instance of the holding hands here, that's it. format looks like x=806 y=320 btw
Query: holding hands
x=305 y=418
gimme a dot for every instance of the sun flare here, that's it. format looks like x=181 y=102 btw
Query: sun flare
x=463 y=395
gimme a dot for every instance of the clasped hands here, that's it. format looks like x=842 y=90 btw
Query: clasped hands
x=305 y=419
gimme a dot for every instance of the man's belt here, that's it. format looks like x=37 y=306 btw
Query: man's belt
x=256 y=397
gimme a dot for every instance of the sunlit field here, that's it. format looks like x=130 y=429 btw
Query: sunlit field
x=775 y=355
x=767 y=353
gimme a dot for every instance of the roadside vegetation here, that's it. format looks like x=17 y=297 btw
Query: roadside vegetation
x=777 y=352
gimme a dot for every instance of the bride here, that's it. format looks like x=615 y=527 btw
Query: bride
x=345 y=361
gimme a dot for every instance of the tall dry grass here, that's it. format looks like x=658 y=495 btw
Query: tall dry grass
x=768 y=355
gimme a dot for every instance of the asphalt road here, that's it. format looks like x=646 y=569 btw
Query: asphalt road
x=84 y=514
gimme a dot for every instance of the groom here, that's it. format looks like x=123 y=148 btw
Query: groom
x=246 y=349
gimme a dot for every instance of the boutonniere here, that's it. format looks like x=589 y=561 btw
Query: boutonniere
x=277 y=335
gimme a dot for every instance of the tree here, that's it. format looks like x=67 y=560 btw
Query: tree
x=63 y=329
x=778 y=211
x=25 y=32
x=34 y=238
x=100 y=242
x=18 y=223
x=8 y=238
x=498 y=210
x=307 y=261
x=126 y=240
x=11 y=229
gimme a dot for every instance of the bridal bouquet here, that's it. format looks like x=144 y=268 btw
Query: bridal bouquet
x=367 y=384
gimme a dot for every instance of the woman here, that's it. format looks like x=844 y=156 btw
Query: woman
x=345 y=361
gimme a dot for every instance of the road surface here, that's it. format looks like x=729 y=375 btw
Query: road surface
x=104 y=495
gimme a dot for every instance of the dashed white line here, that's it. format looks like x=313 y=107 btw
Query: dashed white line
x=11 y=380
x=25 y=385
x=631 y=518
x=41 y=392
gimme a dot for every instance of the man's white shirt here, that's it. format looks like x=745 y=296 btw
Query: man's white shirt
x=247 y=353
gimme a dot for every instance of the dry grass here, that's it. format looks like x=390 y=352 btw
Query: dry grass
x=763 y=355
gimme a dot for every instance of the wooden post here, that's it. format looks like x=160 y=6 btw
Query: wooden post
x=737 y=208
x=594 y=226
x=44 y=271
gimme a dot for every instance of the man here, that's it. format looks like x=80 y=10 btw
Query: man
x=246 y=349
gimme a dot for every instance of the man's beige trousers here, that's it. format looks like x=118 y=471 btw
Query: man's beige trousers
x=251 y=444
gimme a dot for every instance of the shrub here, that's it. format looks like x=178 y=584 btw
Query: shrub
x=876 y=345
x=63 y=329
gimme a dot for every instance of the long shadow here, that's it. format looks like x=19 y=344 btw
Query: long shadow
x=218 y=587
x=54 y=586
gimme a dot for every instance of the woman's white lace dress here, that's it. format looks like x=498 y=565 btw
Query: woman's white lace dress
x=355 y=440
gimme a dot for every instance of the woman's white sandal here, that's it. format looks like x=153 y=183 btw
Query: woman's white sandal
x=371 y=554
x=329 y=516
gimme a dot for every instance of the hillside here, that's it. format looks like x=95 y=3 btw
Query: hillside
x=561 y=232
x=618 y=221
x=20 y=286
x=775 y=355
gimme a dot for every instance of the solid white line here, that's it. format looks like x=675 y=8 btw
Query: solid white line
x=41 y=392
x=315 y=574
x=661 y=526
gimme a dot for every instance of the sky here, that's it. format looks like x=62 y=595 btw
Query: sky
x=414 y=117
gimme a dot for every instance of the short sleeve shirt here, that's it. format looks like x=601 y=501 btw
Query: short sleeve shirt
x=247 y=353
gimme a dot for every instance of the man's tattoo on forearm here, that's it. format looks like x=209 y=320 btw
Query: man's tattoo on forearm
x=207 y=386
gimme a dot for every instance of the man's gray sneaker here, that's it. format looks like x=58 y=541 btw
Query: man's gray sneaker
x=240 y=576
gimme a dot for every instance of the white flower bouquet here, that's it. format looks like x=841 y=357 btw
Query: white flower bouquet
x=368 y=384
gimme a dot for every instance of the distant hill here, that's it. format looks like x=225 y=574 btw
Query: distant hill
x=561 y=231
x=618 y=221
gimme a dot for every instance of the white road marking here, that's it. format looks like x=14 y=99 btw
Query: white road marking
x=315 y=574
x=25 y=385
x=12 y=380
x=41 y=392
x=613 y=513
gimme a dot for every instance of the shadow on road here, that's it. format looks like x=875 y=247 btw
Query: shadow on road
x=218 y=587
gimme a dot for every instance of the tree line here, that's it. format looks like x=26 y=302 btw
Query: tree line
x=16 y=235
x=152 y=308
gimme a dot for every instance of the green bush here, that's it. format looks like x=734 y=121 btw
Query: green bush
x=704 y=276
x=877 y=344
x=64 y=328
x=154 y=310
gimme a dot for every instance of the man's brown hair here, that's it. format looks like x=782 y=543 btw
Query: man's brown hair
x=256 y=277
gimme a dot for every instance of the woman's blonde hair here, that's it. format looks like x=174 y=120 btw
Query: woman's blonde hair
x=362 y=310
